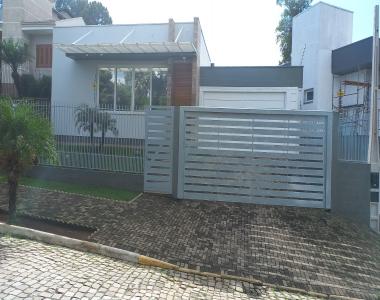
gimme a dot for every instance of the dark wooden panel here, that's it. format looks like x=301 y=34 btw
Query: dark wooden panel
x=182 y=84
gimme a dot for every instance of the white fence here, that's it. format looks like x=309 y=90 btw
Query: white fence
x=265 y=157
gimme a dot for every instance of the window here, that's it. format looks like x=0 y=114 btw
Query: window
x=142 y=88
x=131 y=88
x=106 y=88
x=159 y=86
x=124 y=89
x=43 y=56
x=308 y=96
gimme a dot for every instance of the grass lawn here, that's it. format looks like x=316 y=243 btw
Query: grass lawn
x=105 y=192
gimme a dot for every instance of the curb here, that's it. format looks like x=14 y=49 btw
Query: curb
x=53 y=239
x=116 y=253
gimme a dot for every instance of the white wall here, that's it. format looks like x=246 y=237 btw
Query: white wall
x=316 y=32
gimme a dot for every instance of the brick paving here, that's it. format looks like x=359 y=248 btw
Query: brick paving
x=32 y=270
x=297 y=247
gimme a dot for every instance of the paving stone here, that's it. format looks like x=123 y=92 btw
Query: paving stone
x=62 y=263
x=296 y=247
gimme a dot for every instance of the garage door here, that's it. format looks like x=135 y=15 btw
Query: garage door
x=250 y=98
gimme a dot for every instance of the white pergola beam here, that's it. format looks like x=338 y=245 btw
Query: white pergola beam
x=166 y=47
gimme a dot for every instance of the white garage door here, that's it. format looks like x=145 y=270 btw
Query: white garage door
x=248 y=98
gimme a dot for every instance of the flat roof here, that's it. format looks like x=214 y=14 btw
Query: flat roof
x=246 y=76
x=353 y=57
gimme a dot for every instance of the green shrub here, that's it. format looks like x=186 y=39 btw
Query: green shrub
x=28 y=85
x=35 y=88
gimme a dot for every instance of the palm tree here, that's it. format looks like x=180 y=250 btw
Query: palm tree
x=14 y=53
x=104 y=124
x=93 y=120
x=24 y=136
x=86 y=118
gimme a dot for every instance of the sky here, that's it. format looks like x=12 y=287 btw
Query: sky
x=237 y=32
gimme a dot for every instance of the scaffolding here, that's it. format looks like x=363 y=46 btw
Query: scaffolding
x=353 y=117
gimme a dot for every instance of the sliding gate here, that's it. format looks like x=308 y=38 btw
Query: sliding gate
x=254 y=156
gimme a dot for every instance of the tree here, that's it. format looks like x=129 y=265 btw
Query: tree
x=96 y=14
x=93 y=120
x=284 y=28
x=93 y=13
x=106 y=123
x=73 y=7
x=24 y=136
x=85 y=119
x=14 y=53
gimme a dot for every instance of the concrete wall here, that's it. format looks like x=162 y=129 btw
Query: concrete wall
x=37 y=10
x=316 y=32
x=17 y=11
x=131 y=182
x=351 y=191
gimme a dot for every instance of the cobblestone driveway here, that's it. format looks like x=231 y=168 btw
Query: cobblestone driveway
x=34 y=270
x=297 y=247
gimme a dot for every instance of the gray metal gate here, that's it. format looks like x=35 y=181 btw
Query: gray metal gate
x=158 y=163
x=265 y=157
x=257 y=156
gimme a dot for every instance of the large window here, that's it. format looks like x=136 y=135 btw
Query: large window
x=132 y=88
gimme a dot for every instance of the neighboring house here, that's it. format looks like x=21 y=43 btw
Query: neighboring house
x=108 y=65
x=337 y=72
x=33 y=22
x=352 y=71
x=128 y=67
x=316 y=33
x=251 y=87
x=337 y=76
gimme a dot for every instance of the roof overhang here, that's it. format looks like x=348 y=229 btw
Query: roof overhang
x=38 y=27
x=105 y=51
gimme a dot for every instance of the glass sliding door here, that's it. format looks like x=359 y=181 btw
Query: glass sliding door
x=123 y=89
x=142 y=87
x=159 y=86
x=106 y=88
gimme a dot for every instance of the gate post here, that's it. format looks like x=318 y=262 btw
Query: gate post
x=181 y=152
x=175 y=145
x=332 y=148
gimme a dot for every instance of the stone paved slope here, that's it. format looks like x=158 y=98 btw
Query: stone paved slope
x=35 y=270
x=296 y=247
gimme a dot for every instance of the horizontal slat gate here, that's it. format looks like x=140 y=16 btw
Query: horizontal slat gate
x=158 y=169
x=269 y=158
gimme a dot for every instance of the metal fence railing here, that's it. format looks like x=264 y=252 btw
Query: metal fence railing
x=89 y=137
x=353 y=134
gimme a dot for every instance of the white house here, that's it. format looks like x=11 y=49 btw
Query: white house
x=316 y=33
